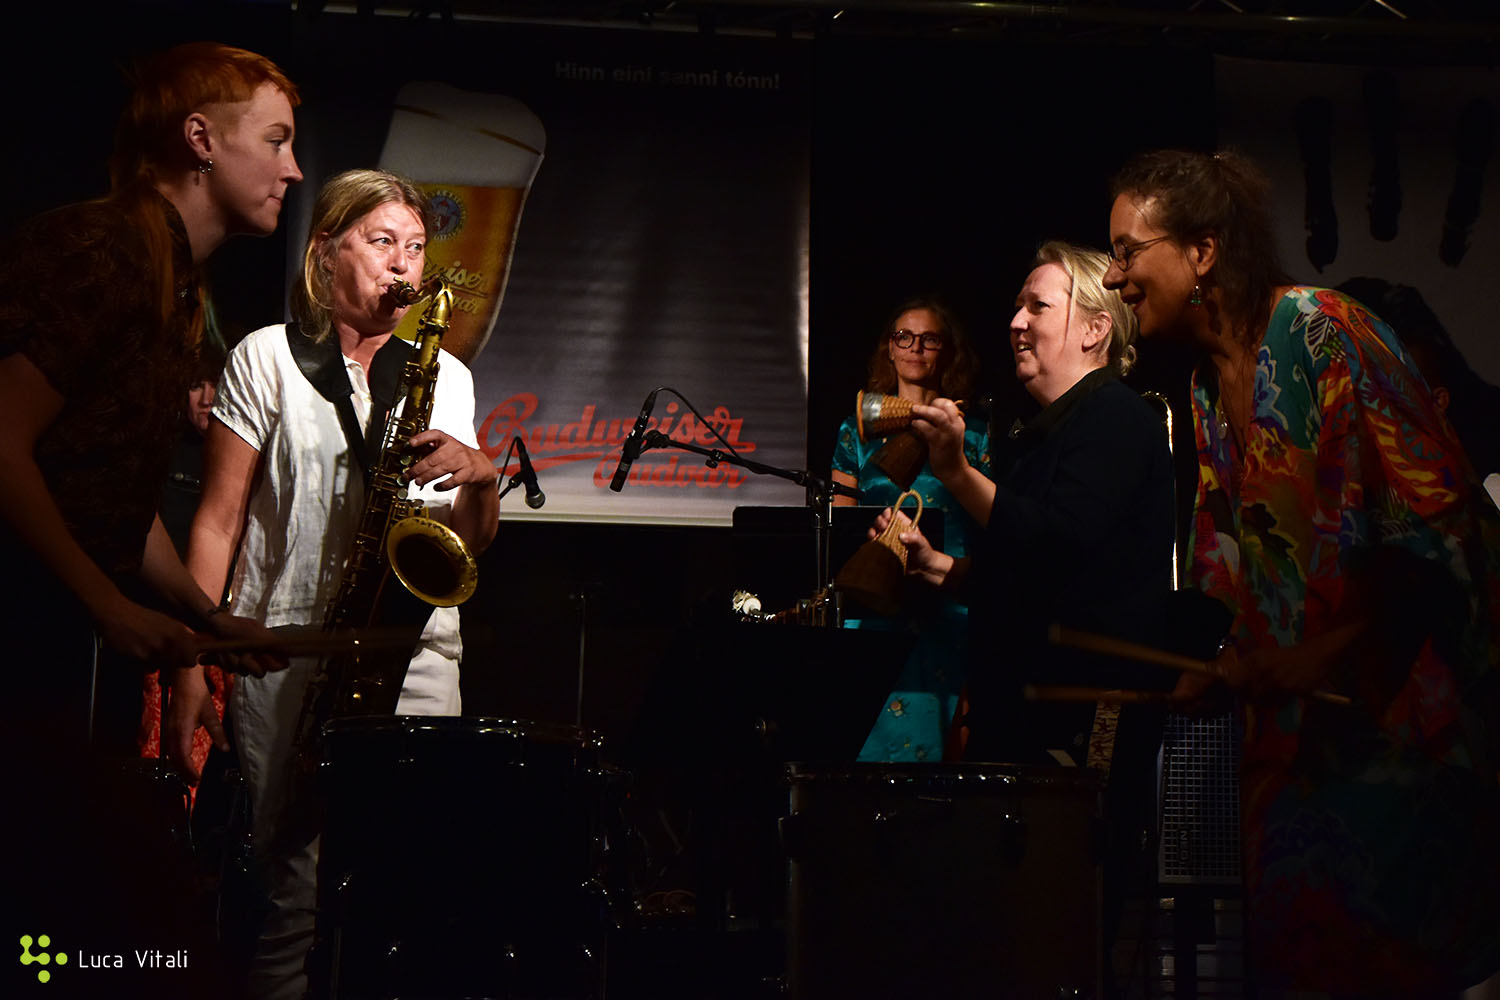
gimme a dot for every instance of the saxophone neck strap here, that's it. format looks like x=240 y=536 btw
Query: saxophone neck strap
x=385 y=372
x=322 y=364
x=385 y=381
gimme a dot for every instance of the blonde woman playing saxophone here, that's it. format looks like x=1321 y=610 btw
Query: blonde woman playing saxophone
x=283 y=485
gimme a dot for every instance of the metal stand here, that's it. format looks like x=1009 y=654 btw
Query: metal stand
x=580 y=596
x=820 y=491
x=515 y=480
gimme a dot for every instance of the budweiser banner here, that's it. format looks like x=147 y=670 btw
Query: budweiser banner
x=616 y=214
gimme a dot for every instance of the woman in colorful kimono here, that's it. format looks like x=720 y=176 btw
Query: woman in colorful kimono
x=1338 y=521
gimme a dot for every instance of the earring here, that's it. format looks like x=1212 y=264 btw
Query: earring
x=1195 y=297
x=206 y=165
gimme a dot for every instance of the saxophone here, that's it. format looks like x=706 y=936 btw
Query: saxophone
x=395 y=538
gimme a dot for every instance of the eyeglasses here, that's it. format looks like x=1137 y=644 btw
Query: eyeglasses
x=1121 y=252
x=905 y=338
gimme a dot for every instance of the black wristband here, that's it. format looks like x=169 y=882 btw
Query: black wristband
x=213 y=612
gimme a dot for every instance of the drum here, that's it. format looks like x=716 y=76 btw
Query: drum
x=963 y=880
x=462 y=857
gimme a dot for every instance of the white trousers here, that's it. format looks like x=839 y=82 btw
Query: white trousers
x=266 y=710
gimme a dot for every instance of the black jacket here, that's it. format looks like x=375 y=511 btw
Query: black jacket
x=1081 y=535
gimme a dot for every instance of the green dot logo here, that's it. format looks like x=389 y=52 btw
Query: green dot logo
x=41 y=957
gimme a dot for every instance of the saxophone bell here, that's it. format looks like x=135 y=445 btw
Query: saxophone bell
x=431 y=561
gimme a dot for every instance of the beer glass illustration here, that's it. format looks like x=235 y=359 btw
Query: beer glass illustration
x=474 y=156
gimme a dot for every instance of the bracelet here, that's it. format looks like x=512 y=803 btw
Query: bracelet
x=207 y=616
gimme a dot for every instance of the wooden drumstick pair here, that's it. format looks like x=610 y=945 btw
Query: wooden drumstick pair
x=311 y=640
x=1110 y=646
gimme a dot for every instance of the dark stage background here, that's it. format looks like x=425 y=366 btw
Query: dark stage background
x=930 y=164
x=933 y=166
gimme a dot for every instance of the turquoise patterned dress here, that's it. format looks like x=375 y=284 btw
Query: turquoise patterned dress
x=1370 y=831
x=913 y=723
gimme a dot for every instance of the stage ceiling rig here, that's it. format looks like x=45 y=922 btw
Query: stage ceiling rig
x=1434 y=32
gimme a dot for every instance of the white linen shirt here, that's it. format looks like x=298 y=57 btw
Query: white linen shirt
x=307 y=501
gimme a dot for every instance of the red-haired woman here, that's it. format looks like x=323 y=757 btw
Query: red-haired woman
x=100 y=322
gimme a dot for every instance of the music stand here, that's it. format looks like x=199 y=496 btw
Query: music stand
x=775 y=548
x=775 y=556
x=813 y=693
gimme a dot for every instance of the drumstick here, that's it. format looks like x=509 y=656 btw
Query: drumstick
x=1110 y=696
x=306 y=640
x=1110 y=646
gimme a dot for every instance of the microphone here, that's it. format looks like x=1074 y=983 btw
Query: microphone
x=632 y=449
x=534 y=495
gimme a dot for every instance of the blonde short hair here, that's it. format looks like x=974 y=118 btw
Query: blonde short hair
x=1085 y=268
x=342 y=202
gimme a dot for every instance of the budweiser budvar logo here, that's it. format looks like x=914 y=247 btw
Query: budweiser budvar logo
x=597 y=440
x=470 y=250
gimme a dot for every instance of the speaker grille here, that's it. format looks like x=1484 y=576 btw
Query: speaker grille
x=1200 y=797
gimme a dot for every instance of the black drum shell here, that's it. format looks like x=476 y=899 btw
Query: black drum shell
x=461 y=854
x=962 y=880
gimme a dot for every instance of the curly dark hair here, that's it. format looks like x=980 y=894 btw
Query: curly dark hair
x=1220 y=194
x=959 y=362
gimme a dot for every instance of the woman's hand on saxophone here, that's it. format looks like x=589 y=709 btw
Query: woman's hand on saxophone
x=442 y=455
x=476 y=508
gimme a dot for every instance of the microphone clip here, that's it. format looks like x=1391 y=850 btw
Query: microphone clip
x=526 y=475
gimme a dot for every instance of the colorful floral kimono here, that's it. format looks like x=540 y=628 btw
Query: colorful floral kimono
x=1370 y=838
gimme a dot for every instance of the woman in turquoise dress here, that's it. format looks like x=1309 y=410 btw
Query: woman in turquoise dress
x=921 y=354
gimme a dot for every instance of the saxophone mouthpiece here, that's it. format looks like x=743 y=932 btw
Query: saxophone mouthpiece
x=406 y=293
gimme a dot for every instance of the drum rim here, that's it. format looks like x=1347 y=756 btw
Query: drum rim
x=975 y=774
x=480 y=725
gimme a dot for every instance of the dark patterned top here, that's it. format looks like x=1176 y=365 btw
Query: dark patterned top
x=79 y=302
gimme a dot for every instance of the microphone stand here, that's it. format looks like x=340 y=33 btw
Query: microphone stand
x=820 y=491
x=515 y=480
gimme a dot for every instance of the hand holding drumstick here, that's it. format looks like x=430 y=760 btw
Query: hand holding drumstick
x=1294 y=669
